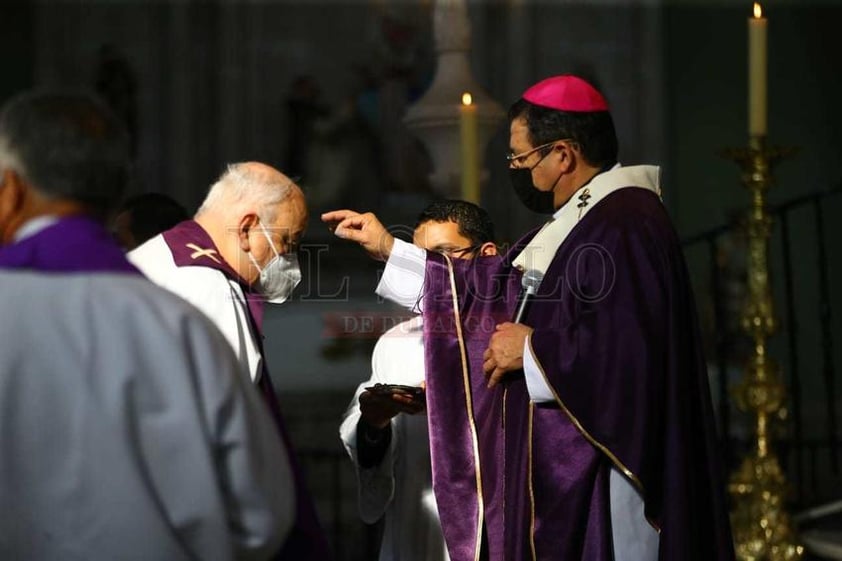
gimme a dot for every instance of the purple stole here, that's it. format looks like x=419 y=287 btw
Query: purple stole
x=617 y=339
x=73 y=244
x=466 y=422
x=192 y=246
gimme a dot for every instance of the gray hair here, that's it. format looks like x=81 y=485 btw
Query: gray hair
x=9 y=159
x=66 y=145
x=242 y=188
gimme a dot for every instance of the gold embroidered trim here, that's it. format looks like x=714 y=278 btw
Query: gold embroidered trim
x=469 y=404
x=505 y=441
x=604 y=449
x=531 y=490
x=505 y=394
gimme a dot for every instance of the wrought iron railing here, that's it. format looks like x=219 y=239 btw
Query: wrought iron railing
x=333 y=484
x=811 y=459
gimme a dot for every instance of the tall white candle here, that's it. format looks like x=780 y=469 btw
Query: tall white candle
x=757 y=73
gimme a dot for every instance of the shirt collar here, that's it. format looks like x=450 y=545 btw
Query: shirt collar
x=33 y=226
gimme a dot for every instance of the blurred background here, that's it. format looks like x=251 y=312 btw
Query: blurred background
x=321 y=89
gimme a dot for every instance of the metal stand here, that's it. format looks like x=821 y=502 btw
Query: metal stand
x=762 y=528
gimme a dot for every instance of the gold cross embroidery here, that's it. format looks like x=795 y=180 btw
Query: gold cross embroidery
x=586 y=194
x=201 y=252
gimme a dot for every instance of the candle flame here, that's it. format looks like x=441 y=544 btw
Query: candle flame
x=758 y=11
x=466 y=99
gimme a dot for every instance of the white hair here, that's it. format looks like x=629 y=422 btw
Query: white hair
x=245 y=188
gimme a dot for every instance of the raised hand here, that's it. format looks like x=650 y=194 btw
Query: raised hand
x=365 y=229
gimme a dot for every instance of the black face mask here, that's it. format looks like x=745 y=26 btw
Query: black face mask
x=532 y=198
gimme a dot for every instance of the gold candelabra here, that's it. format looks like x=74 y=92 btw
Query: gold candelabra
x=762 y=528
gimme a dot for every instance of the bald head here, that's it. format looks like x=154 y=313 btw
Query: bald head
x=250 y=187
x=247 y=202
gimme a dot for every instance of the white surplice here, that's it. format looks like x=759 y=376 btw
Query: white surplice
x=126 y=430
x=400 y=487
x=221 y=299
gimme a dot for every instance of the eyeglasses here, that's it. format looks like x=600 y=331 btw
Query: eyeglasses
x=517 y=160
x=458 y=253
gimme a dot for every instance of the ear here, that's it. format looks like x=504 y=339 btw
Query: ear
x=567 y=156
x=487 y=249
x=247 y=222
x=13 y=194
x=12 y=188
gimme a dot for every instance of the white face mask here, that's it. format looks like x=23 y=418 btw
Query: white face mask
x=280 y=276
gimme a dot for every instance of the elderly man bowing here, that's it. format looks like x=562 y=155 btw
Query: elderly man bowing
x=238 y=252
x=109 y=384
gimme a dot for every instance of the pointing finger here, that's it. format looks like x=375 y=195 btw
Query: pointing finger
x=337 y=215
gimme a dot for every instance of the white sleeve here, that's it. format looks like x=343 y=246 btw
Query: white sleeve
x=403 y=277
x=254 y=466
x=210 y=448
x=536 y=385
x=376 y=485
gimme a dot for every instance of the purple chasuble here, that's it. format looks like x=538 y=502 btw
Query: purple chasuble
x=616 y=337
x=73 y=244
x=191 y=245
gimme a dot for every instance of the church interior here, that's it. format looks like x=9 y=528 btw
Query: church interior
x=322 y=89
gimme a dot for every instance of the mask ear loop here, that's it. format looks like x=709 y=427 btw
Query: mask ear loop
x=271 y=244
x=269 y=239
x=555 y=184
x=255 y=263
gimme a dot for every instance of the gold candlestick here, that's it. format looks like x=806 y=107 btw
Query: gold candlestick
x=762 y=528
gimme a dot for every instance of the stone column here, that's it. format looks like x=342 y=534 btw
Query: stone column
x=435 y=117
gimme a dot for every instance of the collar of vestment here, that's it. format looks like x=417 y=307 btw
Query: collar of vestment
x=192 y=246
x=540 y=251
x=67 y=244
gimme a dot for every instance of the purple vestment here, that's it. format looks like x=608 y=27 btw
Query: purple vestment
x=306 y=540
x=72 y=244
x=616 y=337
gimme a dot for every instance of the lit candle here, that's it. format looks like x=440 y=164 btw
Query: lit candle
x=470 y=156
x=757 y=73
